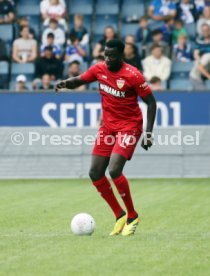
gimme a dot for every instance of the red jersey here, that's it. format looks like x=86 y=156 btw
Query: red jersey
x=119 y=91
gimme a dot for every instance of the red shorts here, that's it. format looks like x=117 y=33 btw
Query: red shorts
x=122 y=142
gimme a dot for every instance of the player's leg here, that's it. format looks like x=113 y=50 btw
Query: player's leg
x=116 y=165
x=97 y=174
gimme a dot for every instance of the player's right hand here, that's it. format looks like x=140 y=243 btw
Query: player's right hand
x=60 y=85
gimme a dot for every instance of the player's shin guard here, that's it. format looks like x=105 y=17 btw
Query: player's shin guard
x=122 y=186
x=104 y=188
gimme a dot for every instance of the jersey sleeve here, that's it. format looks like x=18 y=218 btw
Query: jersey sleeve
x=91 y=74
x=141 y=86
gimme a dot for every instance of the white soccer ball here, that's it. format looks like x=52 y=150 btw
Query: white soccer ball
x=83 y=224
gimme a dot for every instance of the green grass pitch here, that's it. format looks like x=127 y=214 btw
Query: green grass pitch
x=172 y=239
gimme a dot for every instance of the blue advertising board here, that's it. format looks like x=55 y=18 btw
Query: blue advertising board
x=83 y=109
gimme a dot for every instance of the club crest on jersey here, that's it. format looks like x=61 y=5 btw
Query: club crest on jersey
x=120 y=83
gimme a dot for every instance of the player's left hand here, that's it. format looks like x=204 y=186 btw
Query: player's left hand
x=60 y=85
x=147 y=141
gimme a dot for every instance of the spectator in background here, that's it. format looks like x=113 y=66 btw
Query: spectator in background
x=131 y=55
x=203 y=41
x=51 y=42
x=199 y=4
x=109 y=33
x=155 y=84
x=159 y=10
x=44 y=5
x=186 y=11
x=130 y=39
x=21 y=83
x=75 y=51
x=24 y=22
x=200 y=72
x=48 y=64
x=3 y=51
x=58 y=32
x=24 y=48
x=43 y=84
x=56 y=10
x=157 y=65
x=204 y=19
x=178 y=30
x=157 y=38
x=182 y=51
x=79 y=30
x=74 y=71
x=167 y=29
x=143 y=32
x=7 y=12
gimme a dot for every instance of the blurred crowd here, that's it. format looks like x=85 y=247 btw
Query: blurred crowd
x=163 y=37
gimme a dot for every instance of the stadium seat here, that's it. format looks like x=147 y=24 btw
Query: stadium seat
x=180 y=70
x=6 y=32
x=26 y=7
x=132 y=11
x=191 y=30
x=81 y=6
x=207 y=84
x=102 y=22
x=181 y=84
x=107 y=7
x=93 y=86
x=129 y=29
x=4 y=74
x=154 y=25
x=26 y=69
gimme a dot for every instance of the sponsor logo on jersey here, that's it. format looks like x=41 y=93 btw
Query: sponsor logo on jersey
x=104 y=77
x=112 y=91
x=120 y=83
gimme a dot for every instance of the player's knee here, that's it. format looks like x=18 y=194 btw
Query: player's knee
x=115 y=171
x=94 y=174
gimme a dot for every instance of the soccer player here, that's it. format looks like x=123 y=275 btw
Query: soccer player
x=120 y=84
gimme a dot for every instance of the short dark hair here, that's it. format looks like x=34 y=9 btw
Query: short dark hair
x=116 y=43
x=74 y=62
x=155 y=45
x=156 y=32
x=48 y=48
x=51 y=35
x=154 y=80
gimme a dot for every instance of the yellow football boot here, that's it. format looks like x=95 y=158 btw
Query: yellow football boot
x=129 y=229
x=120 y=223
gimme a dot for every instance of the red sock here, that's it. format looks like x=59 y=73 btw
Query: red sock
x=104 y=188
x=122 y=186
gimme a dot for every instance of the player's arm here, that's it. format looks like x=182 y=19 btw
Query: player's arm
x=89 y=76
x=151 y=112
x=71 y=83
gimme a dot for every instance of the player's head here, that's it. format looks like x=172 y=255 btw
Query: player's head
x=113 y=54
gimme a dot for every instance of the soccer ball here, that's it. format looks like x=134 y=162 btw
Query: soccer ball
x=83 y=224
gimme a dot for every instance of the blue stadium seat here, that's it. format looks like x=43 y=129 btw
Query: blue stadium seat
x=181 y=70
x=133 y=11
x=129 y=29
x=26 y=69
x=102 y=22
x=207 y=84
x=181 y=84
x=154 y=25
x=81 y=6
x=107 y=7
x=191 y=30
x=26 y=7
x=4 y=74
x=93 y=86
x=6 y=32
